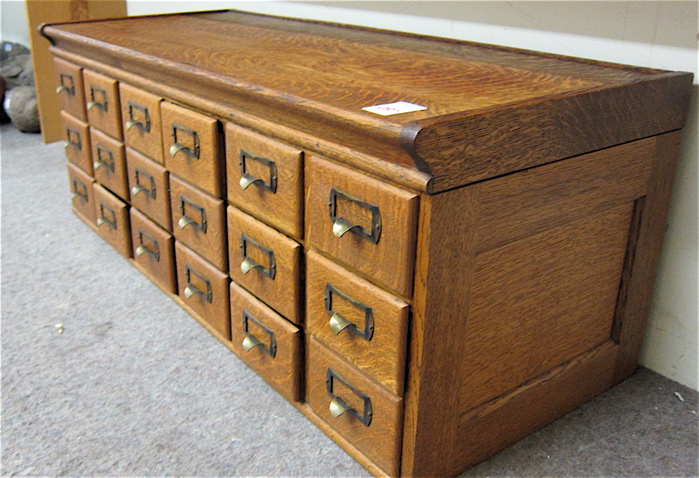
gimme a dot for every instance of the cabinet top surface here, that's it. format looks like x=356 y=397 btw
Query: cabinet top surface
x=333 y=71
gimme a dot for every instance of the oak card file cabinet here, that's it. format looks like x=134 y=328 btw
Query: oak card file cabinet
x=428 y=280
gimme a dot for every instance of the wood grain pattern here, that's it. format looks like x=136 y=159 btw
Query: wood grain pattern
x=383 y=356
x=391 y=260
x=443 y=280
x=284 y=291
x=76 y=136
x=143 y=108
x=106 y=115
x=204 y=277
x=154 y=201
x=556 y=298
x=109 y=163
x=112 y=220
x=207 y=234
x=205 y=171
x=283 y=371
x=157 y=260
x=281 y=208
x=72 y=95
x=82 y=193
x=380 y=441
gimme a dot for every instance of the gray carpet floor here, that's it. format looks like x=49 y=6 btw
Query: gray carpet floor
x=131 y=385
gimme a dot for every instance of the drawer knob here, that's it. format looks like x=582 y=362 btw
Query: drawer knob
x=250 y=342
x=248 y=264
x=176 y=148
x=247 y=180
x=61 y=88
x=137 y=189
x=338 y=407
x=338 y=323
x=189 y=291
x=184 y=222
x=342 y=227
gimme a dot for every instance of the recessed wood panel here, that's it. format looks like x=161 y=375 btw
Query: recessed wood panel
x=149 y=188
x=112 y=220
x=140 y=116
x=102 y=103
x=154 y=251
x=82 y=193
x=109 y=163
x=76 y=140
x=69 y=88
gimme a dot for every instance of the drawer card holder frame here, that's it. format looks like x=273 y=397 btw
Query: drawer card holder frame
x=191 y=289
x=154 y=253
x=144 y=125
x=177 y=147
x=341 y=225
x=102 y=105
x=76 y=193
x=249 y=264
x=339 y=407
x=247 y=179
x=338 y=323
x=103 y=219
x=103 y=152
x=62 y=87
x=139 y=188
x=76 y=143
x=185 y=220
x=250 y=341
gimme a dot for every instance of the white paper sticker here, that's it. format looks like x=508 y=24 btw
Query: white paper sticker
x=394 y=108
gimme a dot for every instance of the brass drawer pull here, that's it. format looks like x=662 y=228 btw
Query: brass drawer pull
x=96 y=101
x=103 y=153
x=250 y=341
x=249 y=264
x=338 y=323
x=142 y=124
x=342 y=226
x=73 y=139
x=153 y=252
x=247 y=179
x=70 y=89
x=148 y=190
x=338 y=406
x=80 y=194
x=103 y=219
x=186 y=220
x=193 y=151
x=191 y=289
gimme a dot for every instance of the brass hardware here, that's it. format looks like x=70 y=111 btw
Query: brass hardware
x=141 y=249
x=342 y=226
x=93 y=100
x=91 y=104
x=191 y=290
x=250 y=341
x=339 y=407
x=177 y=147
x=249 y=264
x=69 y=89
x=109 y=164
x=82 y=195
x=70 y=141
x=338 y=323
x=103 y=219
x=139 y=188
x=143 y=126
x=186 y=220
x=247 y=179
x=131 y=123
x=61 y=89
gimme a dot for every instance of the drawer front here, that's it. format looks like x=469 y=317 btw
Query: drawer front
x=203 y=288
x=149 y=188
x=140 y=115
x=364 y=223
x=265 y=262
x=112 y=219
x=109 y=163
x=268 y=343
x=69 y=88
x=357 y=408
x=191 y=147
x=76 y=136
x=199 y=221
x=363 y=323
x=154 y=251
x=82 y=193
x=102 y=103
x=265 y=178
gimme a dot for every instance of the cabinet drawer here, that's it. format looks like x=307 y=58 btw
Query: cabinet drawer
x=69 y=88
x=102 y=103
x=112 y=219
x=357 y=408
x=154 y=251
x=82 y=193
x=265 y=178
x=109 y=163
x=191 y=147
x=265 y=262
x=203 y=288
x=76 y=135
x=149 y=188
x=199 y=221
x=140 y=115
x=363 y=323
x=365 y=223
x=268 y=343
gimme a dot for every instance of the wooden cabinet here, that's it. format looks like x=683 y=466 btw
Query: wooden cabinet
x=432 y=248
